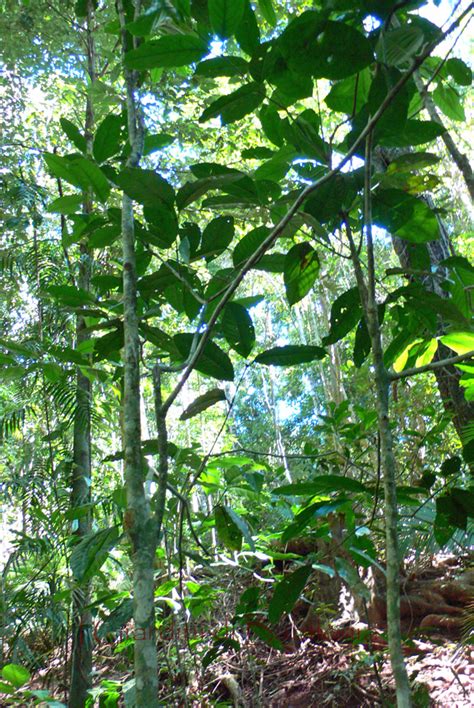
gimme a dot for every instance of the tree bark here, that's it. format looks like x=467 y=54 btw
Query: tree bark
x=139 y=522
x=82 y=639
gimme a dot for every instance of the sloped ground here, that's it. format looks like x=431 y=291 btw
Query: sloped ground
x=340 y=675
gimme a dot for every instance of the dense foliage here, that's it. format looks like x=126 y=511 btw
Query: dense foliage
x=236 y=311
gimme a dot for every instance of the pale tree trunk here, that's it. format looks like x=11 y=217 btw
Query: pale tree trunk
x=139 y=522
x=388 y=461
x=82 y=640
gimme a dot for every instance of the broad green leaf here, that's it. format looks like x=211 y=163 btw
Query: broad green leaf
x=222 y=66
x=346 y=311
x=74 y=134
x=108 y=138
x=157 y=142
x=242 y=525
x=287 y=592
x=144 y=24
x=451 y=466
x=412 y=161
x=91 y=552
x=268 y=13
x=290 y=355
x=238 y=329
x=448 y=101
x=236 y=105
x=248 y=33
x=349 y=95
x=202 y=403
x=405 y=216
x=162 y=224
x=227 y=530
x=319 y=485
x=70 y=295
x=117 y=619
x=273 y=125
x=226 y=16
x=145 y=186
x=324 y=49
x=17 y=675
x=249 y=244
x=459 y=342
x=398 y=46
x=80 y=172
x=168 y=51
x=415 y=132
x=7 y=688
x=66 y=205
x=216 y=237
x=304 y=134
x=301 y=270
x=460 y=71
x=212 y=362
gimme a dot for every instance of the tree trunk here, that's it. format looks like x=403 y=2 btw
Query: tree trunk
x=139 y=522
x=82 y=639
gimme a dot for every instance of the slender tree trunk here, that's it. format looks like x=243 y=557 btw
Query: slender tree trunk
x=139 y=522
x=82 y=639
x=388 y=462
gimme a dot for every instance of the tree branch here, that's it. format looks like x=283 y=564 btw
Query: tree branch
x=396 y=376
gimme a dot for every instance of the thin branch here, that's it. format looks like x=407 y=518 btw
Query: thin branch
x=395 y=376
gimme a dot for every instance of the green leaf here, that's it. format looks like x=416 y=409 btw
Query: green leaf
x=398 y=46
x=242 y=526
x=287 y=592
x=79 y=172
x=157 y=142
x=117 y=619
x=272 y=125
x=405 y=216
x=202 y=403
x=91 y=552
x=460 y=71
x=290 y=355
x=268 y=13
x=216 y=237
x=227 y=530
x=212 y=362
x=222 y=66
x=225 y=16
x=70 y=295
x=301 y=270
x=248 y=33
x=168 y=51
x=314 y=46
x=238 y=329
x=346 y=311
x=249 y=244
x=108 y=138
x=17 y=675
x=349 y=95
x=322 y=484
x=66 y=205
x=448 y=101
x=415 y=132
x=451 y=466
x=74 y=134
x=236 y=105
x=459 y=342
x=145 y=186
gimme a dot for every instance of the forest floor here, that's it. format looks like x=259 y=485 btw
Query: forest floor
x=315 y=673
x=339 y=667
